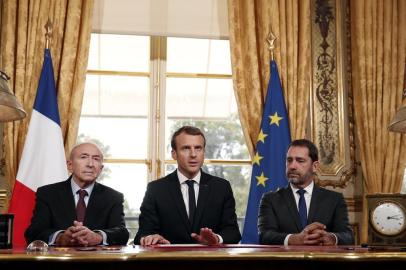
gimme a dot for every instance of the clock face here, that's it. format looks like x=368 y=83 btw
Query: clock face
x=388 y=218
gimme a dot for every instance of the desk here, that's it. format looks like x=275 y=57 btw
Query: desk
x=247 y=257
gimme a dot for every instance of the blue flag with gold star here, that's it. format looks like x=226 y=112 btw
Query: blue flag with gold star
x=268 y=164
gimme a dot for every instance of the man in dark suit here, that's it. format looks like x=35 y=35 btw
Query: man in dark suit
x=79 y=211
x=188 y=205
x=303 y=213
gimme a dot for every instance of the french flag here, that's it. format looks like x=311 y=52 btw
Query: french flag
x=43 y=159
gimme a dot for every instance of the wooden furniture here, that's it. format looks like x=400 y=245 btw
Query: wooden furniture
x=200 y=257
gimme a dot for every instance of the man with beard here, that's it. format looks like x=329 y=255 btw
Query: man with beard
x=303 y=213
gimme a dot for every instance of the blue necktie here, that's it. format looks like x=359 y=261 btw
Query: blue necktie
x=302 y=208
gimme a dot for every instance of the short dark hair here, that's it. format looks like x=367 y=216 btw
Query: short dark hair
x=188 y=130
x=313 y=151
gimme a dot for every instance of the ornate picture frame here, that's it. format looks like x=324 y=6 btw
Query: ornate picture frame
x=331 y=114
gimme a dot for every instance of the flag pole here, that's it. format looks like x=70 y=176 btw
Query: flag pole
x=268 y=164
x=271 y=40
x=48 y=33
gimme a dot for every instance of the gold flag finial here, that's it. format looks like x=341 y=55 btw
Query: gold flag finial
x=271 y=40
x=48 y=33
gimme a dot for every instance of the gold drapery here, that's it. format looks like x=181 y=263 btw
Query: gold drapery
x=378 y=45
x=22 y=53
x=250 y=22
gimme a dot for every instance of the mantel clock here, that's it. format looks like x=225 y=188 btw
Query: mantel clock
x=387 y=219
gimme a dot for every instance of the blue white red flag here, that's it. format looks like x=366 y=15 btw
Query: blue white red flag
x=43 y=159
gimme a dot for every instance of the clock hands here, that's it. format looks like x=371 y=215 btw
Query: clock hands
x=395 y=217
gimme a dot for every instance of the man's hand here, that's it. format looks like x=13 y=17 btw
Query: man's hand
x=328 y=239
x=84 y=236
x=153 y=239
x=65 y=238
x=206 y=237
x=312 y=234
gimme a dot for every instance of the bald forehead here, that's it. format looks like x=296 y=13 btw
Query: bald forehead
x=86 y=148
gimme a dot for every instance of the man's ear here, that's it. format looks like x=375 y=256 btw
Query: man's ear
x=174 y=155
x=69 y=165
x=316 y=166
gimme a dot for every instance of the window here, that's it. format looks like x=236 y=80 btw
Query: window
x=139 y=90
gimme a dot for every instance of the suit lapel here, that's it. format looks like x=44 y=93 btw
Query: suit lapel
x=93 y=204
x=204 y=191
x=174 y=190
x=291 y=203
x=68 y=202
x=313 y=203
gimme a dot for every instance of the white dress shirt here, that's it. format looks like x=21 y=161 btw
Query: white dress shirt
x=184 y=188
x=308 y=199
x=75 y=189
x=185 y=192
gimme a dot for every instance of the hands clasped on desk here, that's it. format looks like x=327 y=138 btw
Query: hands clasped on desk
x=313 y=234
x=206 y=237
x=78 y=235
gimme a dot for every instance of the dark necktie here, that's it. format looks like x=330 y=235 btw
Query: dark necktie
x=81 y=206
x=302 y=208
x=192 y=200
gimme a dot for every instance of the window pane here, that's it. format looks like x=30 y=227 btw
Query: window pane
x=188 y=55
x=239 y=177
x=122 y=137
x=131 y=180
x=224 y=138
x=119 y=52
x=200 y=97
x=116 y=95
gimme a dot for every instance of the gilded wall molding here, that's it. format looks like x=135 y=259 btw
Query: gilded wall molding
x=331 y=114
x=354 y=204
x=3 y=201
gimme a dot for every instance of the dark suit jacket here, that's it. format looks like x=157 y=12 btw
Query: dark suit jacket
x=163 y=210
x=278 y=215
x=55 y=210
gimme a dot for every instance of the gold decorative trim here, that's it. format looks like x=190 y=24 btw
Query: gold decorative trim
x=171 y=161
x=354 y=204
x=117 y=73
x=328 y=256
x=3 y=201
x=332 y=123
x=168 y=74
x=198 y=75
x=355 y=229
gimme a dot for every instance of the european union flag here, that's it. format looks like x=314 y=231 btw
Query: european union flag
x=268 y=164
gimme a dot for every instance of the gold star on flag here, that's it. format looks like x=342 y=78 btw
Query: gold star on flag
x=262 y=136
x=275 y=119
x=257 y=158
x=261 y=179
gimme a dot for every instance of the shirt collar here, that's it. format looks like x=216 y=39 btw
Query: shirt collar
x=183 y=178
x=309 y=188
x=75 y=187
